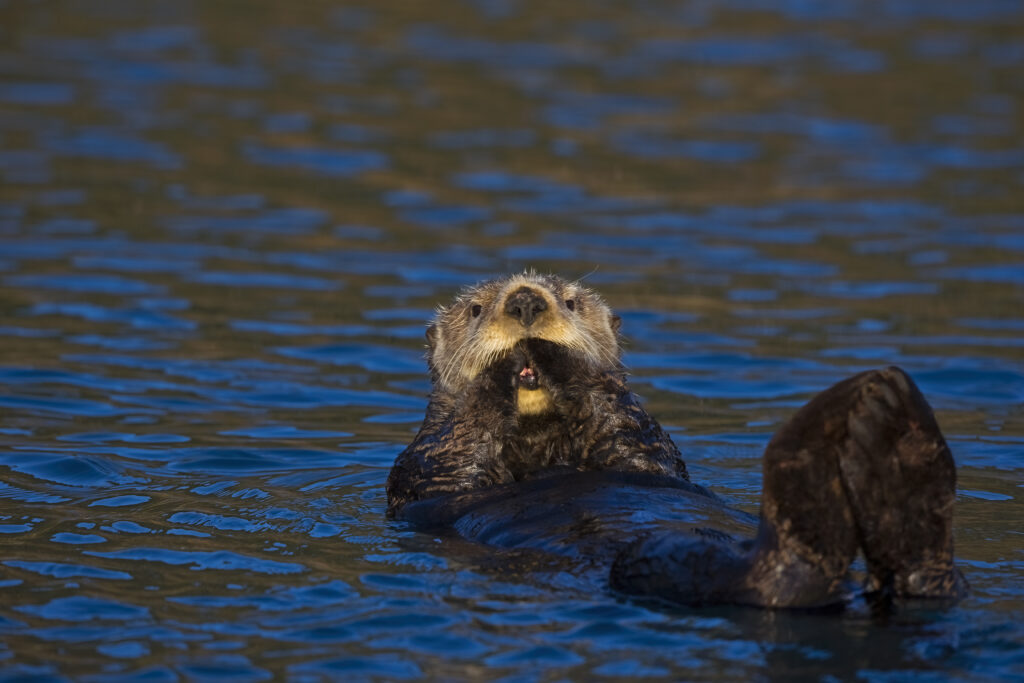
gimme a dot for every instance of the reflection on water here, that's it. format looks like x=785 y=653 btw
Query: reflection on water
x=222 y=229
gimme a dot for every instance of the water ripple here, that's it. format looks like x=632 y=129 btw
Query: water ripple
x=200 y=560
x=81 y=608
x=222 y=237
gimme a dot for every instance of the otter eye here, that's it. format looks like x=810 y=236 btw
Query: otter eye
x=475 y=310
x=570 y=304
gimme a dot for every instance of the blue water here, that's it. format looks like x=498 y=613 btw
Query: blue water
x=223 y=229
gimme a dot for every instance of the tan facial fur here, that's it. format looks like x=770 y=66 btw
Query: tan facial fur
x=463 y=344
x=533 y=402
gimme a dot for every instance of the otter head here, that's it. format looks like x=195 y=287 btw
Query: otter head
x=537 y=329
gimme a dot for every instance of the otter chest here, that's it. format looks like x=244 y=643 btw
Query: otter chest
x=540 y=443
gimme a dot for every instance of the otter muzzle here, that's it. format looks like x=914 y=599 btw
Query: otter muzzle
x=525 y=305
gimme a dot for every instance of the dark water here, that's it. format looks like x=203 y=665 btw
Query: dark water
x=224 y=224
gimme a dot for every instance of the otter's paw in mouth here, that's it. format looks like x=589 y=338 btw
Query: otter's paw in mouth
x=525 y=375
x=531 y=397
x=527 y=379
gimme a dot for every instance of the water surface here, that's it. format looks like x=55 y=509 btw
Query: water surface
x=223 y=227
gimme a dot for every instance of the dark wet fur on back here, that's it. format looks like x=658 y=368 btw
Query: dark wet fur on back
x=538 y=443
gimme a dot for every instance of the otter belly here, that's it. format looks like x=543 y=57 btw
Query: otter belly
x=587 y=516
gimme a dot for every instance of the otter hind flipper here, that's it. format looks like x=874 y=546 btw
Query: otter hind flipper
x=862 y=466
x=900 y=479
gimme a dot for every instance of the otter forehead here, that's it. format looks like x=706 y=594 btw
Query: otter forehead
x=488 y=319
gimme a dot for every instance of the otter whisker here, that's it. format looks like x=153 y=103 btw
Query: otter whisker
x=479 y=328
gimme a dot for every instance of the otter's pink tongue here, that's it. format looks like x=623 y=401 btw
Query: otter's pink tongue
x=528 y=378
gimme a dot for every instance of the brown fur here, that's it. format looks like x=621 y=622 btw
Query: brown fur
x=484 y=427
x=532 y=439
x=462 y=345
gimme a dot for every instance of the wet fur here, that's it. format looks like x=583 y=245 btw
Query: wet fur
x=583 y=470
x=475 y=433
x=462 y=345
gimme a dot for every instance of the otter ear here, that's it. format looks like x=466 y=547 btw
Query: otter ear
x=616 y=323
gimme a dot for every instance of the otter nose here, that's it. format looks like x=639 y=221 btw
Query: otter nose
x=525 y=305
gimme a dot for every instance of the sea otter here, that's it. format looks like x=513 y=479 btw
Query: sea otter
x=532 y=439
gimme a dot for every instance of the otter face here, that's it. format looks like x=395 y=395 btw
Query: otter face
x=499 y=320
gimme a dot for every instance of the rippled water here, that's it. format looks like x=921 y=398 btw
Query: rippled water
x=223 y=226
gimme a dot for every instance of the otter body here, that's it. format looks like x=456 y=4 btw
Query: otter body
x=532 y=439
x=526 y=377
